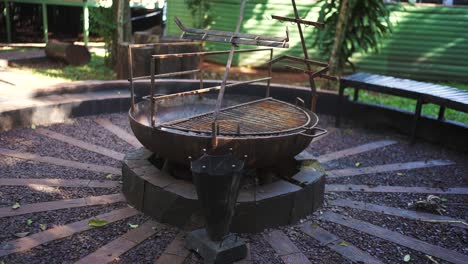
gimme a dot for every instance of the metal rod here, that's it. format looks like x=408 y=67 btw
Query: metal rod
x=45 y=26
x=209 y=89
x=162 y=75
x=130 y=79
x=6 y=15
x=205 y=53
x=234 y=40
x=165 y=44
x=270 y=66
x=312 y=73
x=226 y=33
x=299 y=20
x=298 y=59
x=152 y=92
x=306 y=56
x=228 y=64
x=200 y=74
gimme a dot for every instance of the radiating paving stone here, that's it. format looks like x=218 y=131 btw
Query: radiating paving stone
x=59 y=162
x=175 y=252
x=62 y=204
x=119 y=132
x=285 y=248
x=392 y=189
x=353 y=151
x=59 y=232
x=338 y=245
x=414 y=215
x=388 y=167
x=124 y=243
x=397 y=238
x=81 y=144
x=57 y=182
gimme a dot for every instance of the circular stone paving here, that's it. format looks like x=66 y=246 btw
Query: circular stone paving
x=386 y=201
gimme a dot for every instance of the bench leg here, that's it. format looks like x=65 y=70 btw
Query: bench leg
x=339 y=107
x=441 y=116
x=356 y=94
x=417 y=116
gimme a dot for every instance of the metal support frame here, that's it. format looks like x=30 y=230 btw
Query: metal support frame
x=417 y=117
x=85 y=23
x=45 y=26
x=6 y=15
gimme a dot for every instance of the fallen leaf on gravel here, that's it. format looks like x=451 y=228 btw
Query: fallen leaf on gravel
x=109 y=176
x=29 y=222
x=432 y=259
x=1 y=193
x=43 y=227
x=400 y=174
x=95 y=222
x=131 y=206
x=343 y=244
x=132 y=226
x=33 y=126
x=2 y=262
x=16 y=206
x=406 y=258
x=443 y=199
x=314 y=225
x=22 y=234
x=357 y=164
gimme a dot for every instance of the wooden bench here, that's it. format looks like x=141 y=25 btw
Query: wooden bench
x=422 y=92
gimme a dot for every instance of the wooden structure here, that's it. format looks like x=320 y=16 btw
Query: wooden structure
x=423 y=92
x=85 y=4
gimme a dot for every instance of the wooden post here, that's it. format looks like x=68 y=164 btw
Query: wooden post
x=45 y=27
x=85 y=23
x=6 y=14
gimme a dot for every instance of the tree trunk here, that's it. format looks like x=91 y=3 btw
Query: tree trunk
x=67 y=52
x=123 y=31
x=336 y=65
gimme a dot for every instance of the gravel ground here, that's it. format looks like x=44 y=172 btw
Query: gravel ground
x=18 y=168
x=69 y=250
x=27 y=140
x=27 y=195
x=151 y=248
x=443 y=235
x=79 y=245
x=18 y=224
x=85 y=129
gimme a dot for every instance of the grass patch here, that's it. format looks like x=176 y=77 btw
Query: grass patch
x=94 y=70
x=410 y=104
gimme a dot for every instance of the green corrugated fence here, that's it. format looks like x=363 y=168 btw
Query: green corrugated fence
x=428 y=43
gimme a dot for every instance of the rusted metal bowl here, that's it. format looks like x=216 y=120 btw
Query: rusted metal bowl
x=262 y=148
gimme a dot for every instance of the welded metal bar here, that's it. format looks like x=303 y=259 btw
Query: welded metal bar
x=85 y=23
x=306 y=56
x=269 y=74
x=313 y=74
x=234 y=40
x=152 y=102
x=130 y=79
x=209 y=89
x=45 y=26
x=228 y=63
x=162 y=75
x=6 y=15
x=299 y=20
x=205 y=53
x=200 y=74
x=298 y=59
x=165 y=44
x=226 y=33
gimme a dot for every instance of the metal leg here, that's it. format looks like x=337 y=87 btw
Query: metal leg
x=85 y=23
x=356 y=94
x=441 y=116
x=417 y=116
x=339 y=108
x=6 y=14
x=45 y=27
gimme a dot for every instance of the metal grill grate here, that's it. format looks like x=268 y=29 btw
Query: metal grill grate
x=265 y=116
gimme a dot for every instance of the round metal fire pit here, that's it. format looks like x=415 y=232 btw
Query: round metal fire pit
x=264 y=130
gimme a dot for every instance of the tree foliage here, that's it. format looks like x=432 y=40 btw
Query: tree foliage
x=203 y=6
x=366 y=23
